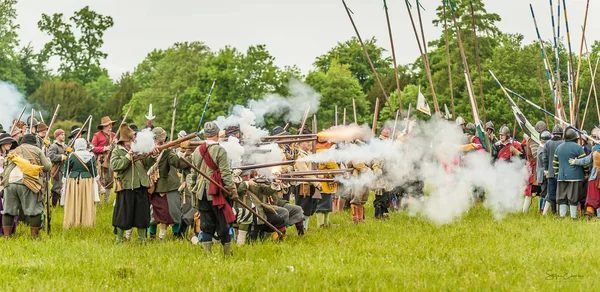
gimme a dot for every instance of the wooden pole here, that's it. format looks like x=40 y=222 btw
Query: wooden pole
x=375 y=116
x=448 y=59
x=362 y=44
x=427 y=67
x=542 y=93
x=478 y=62
x=387 y=18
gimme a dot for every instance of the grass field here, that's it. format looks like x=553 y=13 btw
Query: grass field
x=520 y=253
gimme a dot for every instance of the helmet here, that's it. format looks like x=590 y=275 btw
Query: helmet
x=489 y=125
x=460 y=121
x=570 y=134
x=35 y=121
x=540 y=126
x=545 y=136
x=505 y=131
x=470 y=128
x=557 y=130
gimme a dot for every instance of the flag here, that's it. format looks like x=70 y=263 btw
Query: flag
x=448 y=116
x=422 y=104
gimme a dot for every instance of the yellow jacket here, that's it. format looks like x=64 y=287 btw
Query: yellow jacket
x=328 y=187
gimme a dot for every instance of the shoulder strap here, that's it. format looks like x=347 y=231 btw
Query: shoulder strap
x=32 y=157
x=82 y=163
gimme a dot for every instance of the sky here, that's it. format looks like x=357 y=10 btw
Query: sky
x=295 y=32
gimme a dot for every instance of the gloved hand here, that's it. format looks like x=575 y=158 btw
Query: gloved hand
x=69 y=150
x=47 y=142
x=64 y=157
x=233 y=192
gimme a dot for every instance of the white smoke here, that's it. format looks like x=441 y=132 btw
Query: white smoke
x=144 y=142
x=431 y=153
x=12 y=103
x=291 y=108
x=235 y=151
x=347 y=133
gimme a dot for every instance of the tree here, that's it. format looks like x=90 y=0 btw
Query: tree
x=101 y=91
x=125 y=89
x=9 y=64
x=351 y=53
x=80 y=57
x=75 y=103
x=338 y=87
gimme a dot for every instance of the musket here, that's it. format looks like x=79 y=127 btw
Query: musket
x=89 y=130
x=119 y=129
x=375 y=116
x=314 y=143
x=173 y=119
x=166 y=146
x=306 y=179
x=291 y=141
x=405 y=131
x=226 y=191
x=42 y=118
x=52 y=121
x=318 y=172
x=265 y=165
x=304 y=119
x=31 y=121
x=289 y=137
x=18 y=119
x=206 y=105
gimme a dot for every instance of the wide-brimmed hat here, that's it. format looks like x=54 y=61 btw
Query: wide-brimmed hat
x=75 y=130
x=105 y=121
x=126 y=134
x=279 y=131
x=42 y=127
x=6 y=138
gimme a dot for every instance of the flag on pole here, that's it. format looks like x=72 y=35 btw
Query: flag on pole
x=422 y=104
x=447 y=116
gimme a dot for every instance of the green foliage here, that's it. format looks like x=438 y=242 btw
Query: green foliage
x=75 y=103
x=338 y=88
x=66 y=125
x=80 y=57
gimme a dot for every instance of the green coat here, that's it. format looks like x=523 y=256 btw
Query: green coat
x=219 y=156
x=167 y=169
x=261 y=191
x=130 y=175
x=73 y=168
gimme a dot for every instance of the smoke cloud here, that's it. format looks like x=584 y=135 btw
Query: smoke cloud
x=144 y=142
x=12 y=103
x=431 y=154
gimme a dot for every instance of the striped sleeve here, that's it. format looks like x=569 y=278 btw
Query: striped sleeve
x=555 y=164
x=586 y=167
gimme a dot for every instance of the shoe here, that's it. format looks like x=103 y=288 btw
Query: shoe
x=35 y=233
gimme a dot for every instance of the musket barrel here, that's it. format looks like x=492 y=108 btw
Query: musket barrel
x=167 y=145
x=306 y=179
x=289 y=137
x=265 y=165
x=318 y=172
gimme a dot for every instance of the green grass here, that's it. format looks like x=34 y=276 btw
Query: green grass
x=405 y=253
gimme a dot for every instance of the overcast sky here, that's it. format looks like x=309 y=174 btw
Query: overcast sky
x=295 y=32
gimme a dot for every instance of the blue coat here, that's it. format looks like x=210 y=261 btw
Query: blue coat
x=562 y=169
x=549 y=149
x=588 y=161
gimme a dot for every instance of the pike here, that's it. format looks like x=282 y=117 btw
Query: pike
x=31 y=120
x=467 y=74
x=354 y=109
x=52 y=121
x=593 y=86
x=555 y=117
x=557 y=101
x=448 y=58
x=587 y=7
x=395 y=125
x=336 y=116
x=265 y=165
x=423 y=51
x=558 y=81
x=166 y=146
x=42 y=117
x=405 y=131
x=527 y=127
x=344 y=119
x=387 y=18
x=224 y=190
x=173 y=119
x=18 y=119
x=572 y=93
x=477 y=61
x=362 y=44
x=89 y=130
x=206 y=105
x=375 y=116
x=542 y=93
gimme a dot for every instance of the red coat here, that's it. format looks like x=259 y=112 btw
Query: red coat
x=99 y=141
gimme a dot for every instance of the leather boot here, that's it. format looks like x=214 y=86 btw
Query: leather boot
x=7 y=230
x=354 y=210
x=360 y=216
x=226 y=248
x=35 y=233
x=341 y=204
x=207 y=246
x=300 y=228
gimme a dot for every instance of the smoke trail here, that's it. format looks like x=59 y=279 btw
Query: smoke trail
x=235 y=151
x=346 y=133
